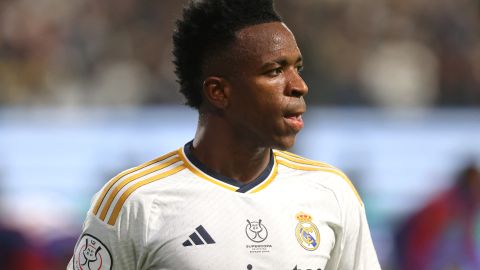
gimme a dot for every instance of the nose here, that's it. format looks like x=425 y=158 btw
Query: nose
x=296 y=86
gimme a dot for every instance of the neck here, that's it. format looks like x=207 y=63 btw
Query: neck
x=216 y=146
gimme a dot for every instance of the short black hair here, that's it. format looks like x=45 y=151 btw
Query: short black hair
x=207 y=27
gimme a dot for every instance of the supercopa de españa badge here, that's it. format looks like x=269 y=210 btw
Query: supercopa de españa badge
x=307 y=233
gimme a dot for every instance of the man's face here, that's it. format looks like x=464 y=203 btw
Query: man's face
x=266 y=90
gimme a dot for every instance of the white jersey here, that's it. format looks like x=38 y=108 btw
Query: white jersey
x=174 y=213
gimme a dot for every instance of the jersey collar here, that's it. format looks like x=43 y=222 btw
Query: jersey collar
x=198 y=168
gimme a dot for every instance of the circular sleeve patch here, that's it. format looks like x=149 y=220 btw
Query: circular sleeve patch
x=91 y=254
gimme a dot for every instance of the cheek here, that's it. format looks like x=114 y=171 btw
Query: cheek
x=270 y=95
x=261 y=99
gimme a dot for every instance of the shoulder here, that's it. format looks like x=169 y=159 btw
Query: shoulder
x=329 y=176
x=120 y=191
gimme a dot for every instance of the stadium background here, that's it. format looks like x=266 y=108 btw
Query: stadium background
x=87 y=89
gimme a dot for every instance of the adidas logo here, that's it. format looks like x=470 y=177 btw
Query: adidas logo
x=199 y=239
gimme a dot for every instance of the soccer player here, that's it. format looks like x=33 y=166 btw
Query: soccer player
x=232 y=198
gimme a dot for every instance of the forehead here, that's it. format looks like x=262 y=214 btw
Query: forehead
x=265 y=41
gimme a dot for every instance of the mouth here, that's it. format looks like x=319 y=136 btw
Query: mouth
x=294 y=121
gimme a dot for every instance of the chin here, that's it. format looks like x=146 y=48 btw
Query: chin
x=284 y=143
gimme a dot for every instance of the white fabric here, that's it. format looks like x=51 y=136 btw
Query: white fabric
x=257 y=230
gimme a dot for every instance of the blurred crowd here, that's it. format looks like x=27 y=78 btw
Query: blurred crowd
x=391 y=54
x=18 y=251
x=445 y=233
x=378 y=53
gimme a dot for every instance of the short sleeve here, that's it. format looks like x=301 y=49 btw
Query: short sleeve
x=108 y=247
x=358 y=250
x=354 y=248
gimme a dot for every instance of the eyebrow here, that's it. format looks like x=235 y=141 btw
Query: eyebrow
x=282 y=61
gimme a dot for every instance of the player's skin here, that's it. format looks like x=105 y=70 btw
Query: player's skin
x=252 y=101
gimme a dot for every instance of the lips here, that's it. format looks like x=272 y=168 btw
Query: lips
x=294 y=121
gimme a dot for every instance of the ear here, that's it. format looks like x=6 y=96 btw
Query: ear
x=215 y=90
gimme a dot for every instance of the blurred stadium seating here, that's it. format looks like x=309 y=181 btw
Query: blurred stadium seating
x=87 y=89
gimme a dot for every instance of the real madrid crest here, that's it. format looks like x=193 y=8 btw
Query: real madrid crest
x=307 y=233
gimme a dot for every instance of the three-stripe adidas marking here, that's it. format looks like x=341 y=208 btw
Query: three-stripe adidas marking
x=199 y=239
x=116 y=192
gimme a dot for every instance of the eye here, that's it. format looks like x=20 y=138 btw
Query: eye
x=274 y=72
x=299 y=68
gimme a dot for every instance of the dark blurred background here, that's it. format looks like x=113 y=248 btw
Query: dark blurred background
x=87 y=89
